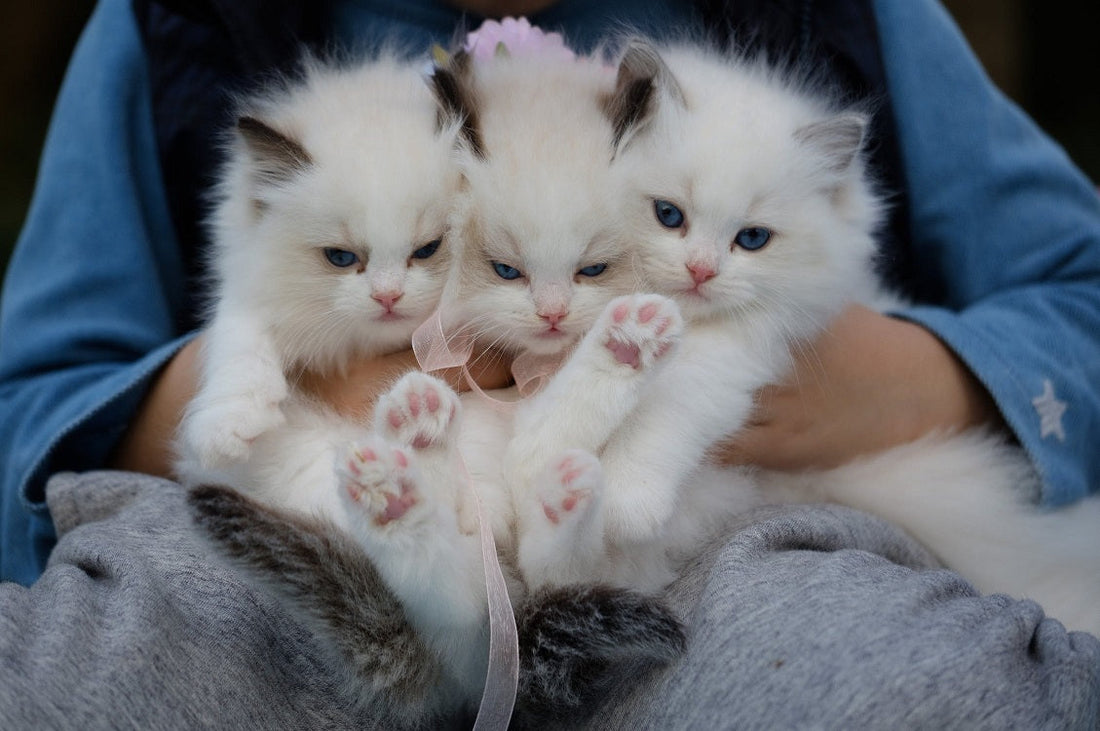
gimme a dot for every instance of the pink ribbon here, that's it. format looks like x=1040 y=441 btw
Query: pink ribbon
x=435 y=351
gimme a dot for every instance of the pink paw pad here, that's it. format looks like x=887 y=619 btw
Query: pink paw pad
x=379 y=484
x=416 y=412
x=397 y=505
x=569 y=472
x=625 y=353
x=643 y=328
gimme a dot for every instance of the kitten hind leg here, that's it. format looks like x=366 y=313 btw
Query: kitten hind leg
x=408 y=526
x=587 y=401
x=561 y=536
x=376 y=480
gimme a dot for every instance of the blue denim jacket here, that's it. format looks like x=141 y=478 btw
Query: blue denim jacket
x=1007 y=232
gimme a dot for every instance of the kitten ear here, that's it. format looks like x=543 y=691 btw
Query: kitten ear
x=837 y=140
x=276 y=158
x=455 y=96
x=643 y=78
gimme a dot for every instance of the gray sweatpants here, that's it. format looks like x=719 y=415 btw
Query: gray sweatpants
x=804 y=617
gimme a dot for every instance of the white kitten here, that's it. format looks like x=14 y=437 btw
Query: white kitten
x=538 y=253
x=327 y=247
x=761 y=230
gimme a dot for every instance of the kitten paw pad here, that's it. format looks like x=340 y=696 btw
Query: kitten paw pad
x=378 y=481
x=569 y=486
x=641 y=329
x=418 y=411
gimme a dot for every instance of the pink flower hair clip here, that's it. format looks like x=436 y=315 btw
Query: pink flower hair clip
x=515 y=37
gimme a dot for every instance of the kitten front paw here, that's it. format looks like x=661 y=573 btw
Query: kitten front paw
x=569 y=485
x=640 y=329
x=378 y=482
x=419 y=411
x=222 y=432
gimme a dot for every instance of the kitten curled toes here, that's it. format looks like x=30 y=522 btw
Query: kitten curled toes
x=568 y=485
x=640 y=329
x=379 y=482
x=561 y=538
x=419 y=411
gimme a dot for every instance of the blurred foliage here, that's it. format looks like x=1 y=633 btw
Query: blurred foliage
x=1043 y=54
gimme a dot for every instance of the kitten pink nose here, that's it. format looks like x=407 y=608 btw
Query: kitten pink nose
x=701 y=272
x=386 y=299
x=554 y=317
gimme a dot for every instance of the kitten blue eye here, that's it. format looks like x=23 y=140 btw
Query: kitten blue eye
x=753 y=238
x=426 y=251
x=506 y=272
x=668 y=215
x=340 y=257
x=592 y=270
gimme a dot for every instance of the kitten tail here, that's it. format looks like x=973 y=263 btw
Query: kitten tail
x=578 y=643
x=333 y=588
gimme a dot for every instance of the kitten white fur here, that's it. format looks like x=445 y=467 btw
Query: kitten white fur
x=734 y=146
x=602 y=475
x=326 y=235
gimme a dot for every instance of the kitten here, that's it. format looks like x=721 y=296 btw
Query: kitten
x=761 y=230
x=327 y=230
x=327 y=247
x=537 y=253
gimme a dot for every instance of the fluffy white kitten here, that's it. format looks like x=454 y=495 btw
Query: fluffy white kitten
x=539 y=252
x=327 y=247
x=761 y=231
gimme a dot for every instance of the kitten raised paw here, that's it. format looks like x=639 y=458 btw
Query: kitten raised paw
x=640 y=329
x=379 y=481
x=418 y=411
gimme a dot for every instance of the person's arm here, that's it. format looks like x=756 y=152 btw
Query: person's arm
x=1009 y=230
x=870 y=382
x=91 y=294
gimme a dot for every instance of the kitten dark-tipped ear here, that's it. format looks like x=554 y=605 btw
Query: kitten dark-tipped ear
x=456 y=99
x=837 y=140
x=276 y=157
x=642 y=80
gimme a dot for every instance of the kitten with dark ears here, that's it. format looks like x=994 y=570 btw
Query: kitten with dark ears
x=327 y=232
x=755 y=215
x=327 y=247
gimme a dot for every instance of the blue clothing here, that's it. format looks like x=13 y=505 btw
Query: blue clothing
x=1010 y=231
x=89 y=305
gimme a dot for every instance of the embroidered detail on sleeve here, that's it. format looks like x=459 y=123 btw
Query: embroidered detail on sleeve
x=1050 y=411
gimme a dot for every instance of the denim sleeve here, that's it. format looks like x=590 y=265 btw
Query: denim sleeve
x=90 y=295
x=1010 y=229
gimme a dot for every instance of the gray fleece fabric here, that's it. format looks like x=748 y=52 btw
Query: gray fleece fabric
x=801 y=618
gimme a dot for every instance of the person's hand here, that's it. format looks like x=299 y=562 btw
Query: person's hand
x=354 y=392
x=147 y=444
x=870 y=382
